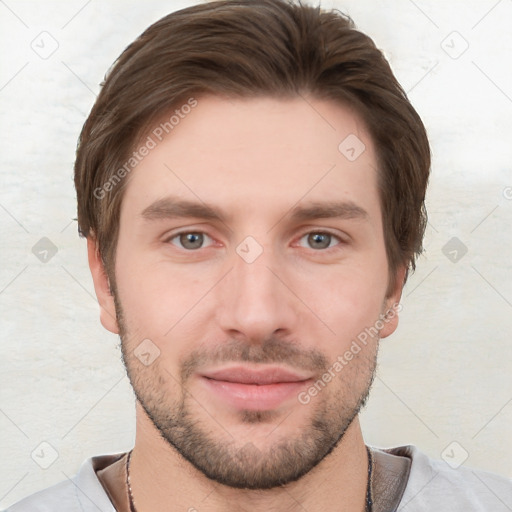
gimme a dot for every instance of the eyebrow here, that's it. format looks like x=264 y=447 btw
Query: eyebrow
x=174 y=207
x=329 y=210
x=171 y=207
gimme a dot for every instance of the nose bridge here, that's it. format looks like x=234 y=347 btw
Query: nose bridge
x=254 y=301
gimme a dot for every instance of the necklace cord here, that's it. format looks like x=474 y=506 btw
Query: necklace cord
x=369 y=485
x=128 y=485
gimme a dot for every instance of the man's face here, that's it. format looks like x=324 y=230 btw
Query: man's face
x=251 y=255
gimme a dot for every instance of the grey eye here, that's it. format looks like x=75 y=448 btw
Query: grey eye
x=319 y=240
x=190 y=241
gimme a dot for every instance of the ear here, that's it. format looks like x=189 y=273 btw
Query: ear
x=102 y=287
x=392 y=303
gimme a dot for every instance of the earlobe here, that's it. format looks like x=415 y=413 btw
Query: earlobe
x=102 y=287
x=392 y=306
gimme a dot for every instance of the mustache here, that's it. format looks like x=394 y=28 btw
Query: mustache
x=270 y=350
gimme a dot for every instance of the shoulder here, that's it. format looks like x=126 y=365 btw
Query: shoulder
x=62 y=496
x=81 y=493
x=435 y=485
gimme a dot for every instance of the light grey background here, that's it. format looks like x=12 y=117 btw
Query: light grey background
x=445 y=377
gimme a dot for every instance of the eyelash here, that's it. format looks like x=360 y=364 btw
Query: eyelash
x=328 y=233
x=314 y=232
x=177 y=235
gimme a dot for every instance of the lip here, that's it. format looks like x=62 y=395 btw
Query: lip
x=244 y=387
x=257 y=376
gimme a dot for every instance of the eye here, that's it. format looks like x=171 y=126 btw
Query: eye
x=319 y=240
x=190 y=240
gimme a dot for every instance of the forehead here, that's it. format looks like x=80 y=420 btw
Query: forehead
x=259 y=152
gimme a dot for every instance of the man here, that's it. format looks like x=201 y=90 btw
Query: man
x=251 y=183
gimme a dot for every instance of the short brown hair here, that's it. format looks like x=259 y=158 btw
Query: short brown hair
x=244 y=49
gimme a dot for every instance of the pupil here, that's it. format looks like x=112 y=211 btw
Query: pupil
x=192 y=240
x=319 y=240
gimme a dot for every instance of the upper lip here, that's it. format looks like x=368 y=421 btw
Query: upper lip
x=258 y=376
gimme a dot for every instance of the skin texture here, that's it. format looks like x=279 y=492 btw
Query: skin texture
x=299 y=304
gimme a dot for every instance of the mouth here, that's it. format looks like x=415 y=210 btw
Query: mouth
x=256 y=389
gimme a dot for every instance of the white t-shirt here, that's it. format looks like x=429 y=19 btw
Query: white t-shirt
x=433 y=486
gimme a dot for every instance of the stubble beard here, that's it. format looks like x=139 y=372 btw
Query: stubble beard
x=183 y=423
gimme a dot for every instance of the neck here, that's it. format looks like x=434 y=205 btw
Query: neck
x=160 y=476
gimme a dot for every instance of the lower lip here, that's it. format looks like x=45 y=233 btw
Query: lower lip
x=252 y=397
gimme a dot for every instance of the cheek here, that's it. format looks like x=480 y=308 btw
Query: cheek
x=163 y=304
x=348 y=300
x=146 y=297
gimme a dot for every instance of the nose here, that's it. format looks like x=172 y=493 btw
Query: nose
x=254 y=300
